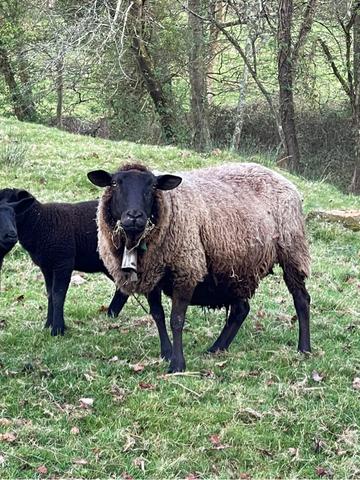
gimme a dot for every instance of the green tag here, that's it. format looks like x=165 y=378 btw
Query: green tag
x=143 y=247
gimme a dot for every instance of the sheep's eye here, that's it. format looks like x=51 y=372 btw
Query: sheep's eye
x=114 y=183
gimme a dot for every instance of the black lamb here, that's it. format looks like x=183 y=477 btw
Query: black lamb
x=60 y=238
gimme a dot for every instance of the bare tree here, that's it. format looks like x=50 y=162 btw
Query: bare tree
x=197 y=75
x=350 y=25
x=285 y=78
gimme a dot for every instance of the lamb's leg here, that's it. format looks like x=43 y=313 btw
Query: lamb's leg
x=238 y=313
x=177 y=320
x=295 y=282
x=157 y=312
x=61 y=280
x=48 y=275
x=117 y=303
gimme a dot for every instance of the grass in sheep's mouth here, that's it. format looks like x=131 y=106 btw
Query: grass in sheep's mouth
x=259 y=411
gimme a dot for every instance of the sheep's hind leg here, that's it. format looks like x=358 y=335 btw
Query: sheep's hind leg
x=61 y=282
x=295 y=282
x=238 y=313
x=50 y=311
x=117 y=303
x=157 y=312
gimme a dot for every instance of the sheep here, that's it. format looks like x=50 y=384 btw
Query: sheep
x=60 y=238
x=205 y=238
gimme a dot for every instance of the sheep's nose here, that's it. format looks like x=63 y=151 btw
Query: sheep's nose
x=134 y=214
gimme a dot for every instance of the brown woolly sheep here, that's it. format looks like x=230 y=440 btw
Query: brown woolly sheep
x=208 y=241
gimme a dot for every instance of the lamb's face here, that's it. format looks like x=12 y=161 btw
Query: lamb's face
x=8 y=230
x=132 y=197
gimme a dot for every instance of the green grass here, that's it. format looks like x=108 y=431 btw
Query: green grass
x=259 y=398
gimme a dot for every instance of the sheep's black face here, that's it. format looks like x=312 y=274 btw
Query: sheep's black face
x=8 y=231
x=133 y=194
x=12 y=202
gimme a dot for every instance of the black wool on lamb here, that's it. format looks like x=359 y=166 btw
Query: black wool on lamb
x=60 y=238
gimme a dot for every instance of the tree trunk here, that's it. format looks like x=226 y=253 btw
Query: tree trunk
x=22 y=110
x=59 y=90
x=23 y=69
x=355 y=182
x=217 y=11
x=197 y=76
x=285 y=78
x=240 y=109
x=153 y=85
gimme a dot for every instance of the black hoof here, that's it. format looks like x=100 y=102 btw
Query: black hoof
x=176 y=367
x=55 y=331
x=47 y=324
x=214 y=350
x=166 y=355
x=304 y=350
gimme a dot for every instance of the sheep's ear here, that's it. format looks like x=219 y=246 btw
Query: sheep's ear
x=168 y=182
x=100 y=178
x=22 y=205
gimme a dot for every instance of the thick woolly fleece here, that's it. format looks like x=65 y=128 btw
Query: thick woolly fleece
x=230 y=223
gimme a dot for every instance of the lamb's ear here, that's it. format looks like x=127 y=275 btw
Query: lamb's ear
x=100 y=178
x=168 y=182
x=22 y=205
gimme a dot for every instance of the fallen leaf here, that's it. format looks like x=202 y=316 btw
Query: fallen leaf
x=216 y=442
x=86 y=402
x=192 y=476
x=126 y=476
x=356 y=383
x=130 y=442
x=324 y=472
x=249 y=415
x=20 y=298
x=316 y=376
x=146 y=386
x=42 y=470
x=137 y=367
x=294 y=453
x=117 y=393
x=80 y=461
x=5 y=422
x=221 y=364
x=2 y=323
x=77 y=280
x=244 y=476
x=103 y=309
x=140 y=463
x=8 y=437
x=349 y=437
x=75 y=431
x=113 y=359
x=89 y=377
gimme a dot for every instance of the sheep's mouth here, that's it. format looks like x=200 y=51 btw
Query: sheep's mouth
x=132 y=236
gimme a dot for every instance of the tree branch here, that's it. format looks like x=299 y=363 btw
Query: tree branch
x=305 y=29
x=335 y=70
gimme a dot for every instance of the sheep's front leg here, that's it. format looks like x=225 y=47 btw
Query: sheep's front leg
x=177 y=320
x=157 y=312
x=117 y=303
x=48 y=275
x=61 y=280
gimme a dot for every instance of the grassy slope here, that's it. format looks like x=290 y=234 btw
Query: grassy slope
x=164 y=431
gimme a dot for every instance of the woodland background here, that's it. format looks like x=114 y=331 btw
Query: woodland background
x=276 y=76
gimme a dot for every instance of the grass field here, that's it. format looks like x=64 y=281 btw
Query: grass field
x=259 y=411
